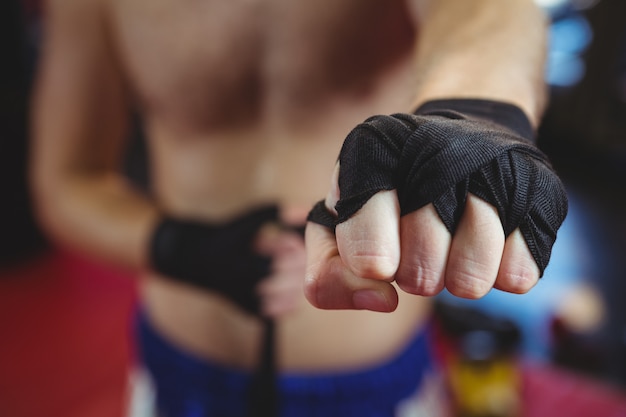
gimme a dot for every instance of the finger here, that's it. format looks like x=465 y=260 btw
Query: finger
x=287 y=273
x=329 y=283
x=280 y=294
x=294 y=216
x=369 y=242
x=273 y=241
x=518 y=270
x=476 y=250
x=425 y=244
x=279 y=284
x=279 y=306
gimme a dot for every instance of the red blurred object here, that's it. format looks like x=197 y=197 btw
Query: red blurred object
x=64 y=346
x=549 y=391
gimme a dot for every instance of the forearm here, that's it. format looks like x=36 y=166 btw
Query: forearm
x=491 y=49
x=100 y=214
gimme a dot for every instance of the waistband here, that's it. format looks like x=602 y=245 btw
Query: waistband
x=185 y=378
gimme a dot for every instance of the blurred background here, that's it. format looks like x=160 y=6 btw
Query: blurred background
x=64 y=347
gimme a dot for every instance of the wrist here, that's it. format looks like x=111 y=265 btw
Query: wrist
x=504 y=114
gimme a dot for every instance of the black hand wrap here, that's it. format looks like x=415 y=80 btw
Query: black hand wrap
x=221 y=258
x=447 y=149
x=214 y=257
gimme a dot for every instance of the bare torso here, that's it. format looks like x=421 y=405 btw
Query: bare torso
x=247 y=102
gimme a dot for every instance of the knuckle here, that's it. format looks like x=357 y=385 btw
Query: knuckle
x=466 y=284
x=519 y=280
x=367 y=260
x=419 y=279
x=371 y=266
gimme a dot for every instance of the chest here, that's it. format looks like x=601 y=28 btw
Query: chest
x=212 y=61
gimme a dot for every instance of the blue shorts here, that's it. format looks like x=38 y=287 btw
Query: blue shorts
x=187 y=386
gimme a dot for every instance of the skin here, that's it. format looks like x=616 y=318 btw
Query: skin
x=258 y=118
x=376 y=247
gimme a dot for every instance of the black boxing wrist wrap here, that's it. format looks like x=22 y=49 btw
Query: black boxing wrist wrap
x=214 y=257
x=444 y=151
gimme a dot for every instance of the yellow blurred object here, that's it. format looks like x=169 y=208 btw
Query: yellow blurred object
x=480 y=362
x=486 y=388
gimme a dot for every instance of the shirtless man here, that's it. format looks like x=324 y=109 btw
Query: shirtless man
x=245 y=104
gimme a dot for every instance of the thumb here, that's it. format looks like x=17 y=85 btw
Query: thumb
x=329 y=284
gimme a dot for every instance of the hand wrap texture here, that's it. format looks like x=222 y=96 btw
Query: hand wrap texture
x=214 y=257
x=444 y=151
